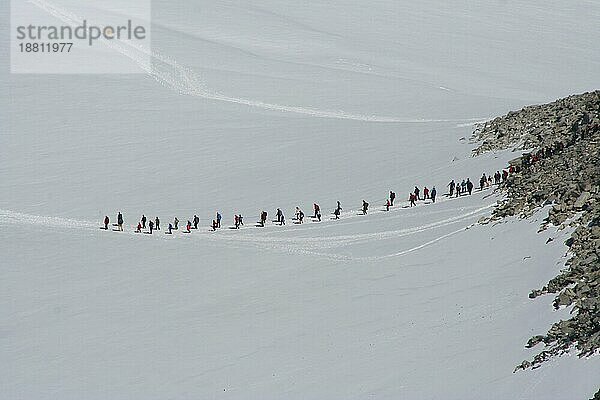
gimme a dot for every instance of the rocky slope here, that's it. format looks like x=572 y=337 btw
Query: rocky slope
x=559 y=167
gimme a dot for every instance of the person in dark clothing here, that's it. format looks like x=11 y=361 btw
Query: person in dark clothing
x=120 y=221
x=196 y=221
x=413 y=199
x=425 y=193
x=143 y=221
x=263 y=218
x=106 y=222
x=176 y=223
x=151 y=226
x=336 y=213
x=139 y=228
x=365 y=207
x=157 y=223
x=452 y=185
x=301 y=216
x=280 y=217
x=241 y=219
x=317 y=209
x=433 y=194
x=387 y=205
x=215 y=225
x=392 y=198
x=482 y=181
x=417 y=191
x=469 y=186
x=218 y=220
x=338 y=207
x=188 y=227
x=170 y=229
x=236 y=222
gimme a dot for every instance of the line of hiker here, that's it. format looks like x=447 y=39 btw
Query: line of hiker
x=455 y=189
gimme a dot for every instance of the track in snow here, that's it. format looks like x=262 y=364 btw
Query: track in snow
x=185 y=81
x=269 y=238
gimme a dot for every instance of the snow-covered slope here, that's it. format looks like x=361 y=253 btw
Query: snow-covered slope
x=257 y=106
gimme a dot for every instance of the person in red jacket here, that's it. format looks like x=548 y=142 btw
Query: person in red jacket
x=413 y=199
x=425 y=193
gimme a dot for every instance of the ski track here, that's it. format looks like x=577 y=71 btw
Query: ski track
x=184 y=80
x=296 y=245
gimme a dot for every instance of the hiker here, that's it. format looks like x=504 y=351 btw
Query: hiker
x=143 y=221
x=317 y=209
x=417 y=191
x=412 y=198
x=279 y=214
x=151 y=226
x=301 y=216
x=497 y=178
x=319 y=215
x=282 y=219
x=457 y=190
x=157 y=223
x=425 y=193
x=297 y=213
x=463 y=186
x=215 y=225
x=189 y=226
x=504 y=175
x=452 y=185
x=392 y=198
x=241 y=220
x=196 y=220
x=336 y=213
x=387 y=205
x=263 y=218
x=139 y=228
x=365 y=207
x=106 y=222
x=176 y=224
x=433 y=194
x=120 y=221
x=338 y=210
x=482 y=182
x=236 y=222
x=170 y=229
x=218 y=219
x=469 y=185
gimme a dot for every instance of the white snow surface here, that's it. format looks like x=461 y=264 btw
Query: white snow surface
x=282 y=104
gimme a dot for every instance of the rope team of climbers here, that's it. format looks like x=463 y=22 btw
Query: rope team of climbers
x=455 y=189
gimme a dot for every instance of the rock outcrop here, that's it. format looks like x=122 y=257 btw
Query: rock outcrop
x=559 y=167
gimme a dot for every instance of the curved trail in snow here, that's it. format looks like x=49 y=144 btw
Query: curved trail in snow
x=314 y=246
x=174 y=76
